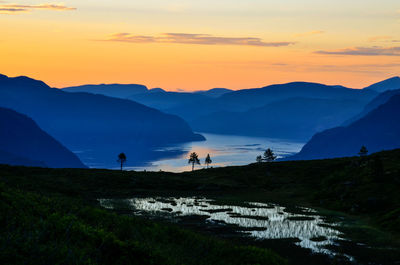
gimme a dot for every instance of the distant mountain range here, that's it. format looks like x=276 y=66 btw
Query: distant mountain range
x=155 y=97
x=111 y=90
x=214 y=92
x=388 y=84
x=22 y=142
x=97 y=124
x=373 y=104
x=272 y=111
x=378 y=130
x=293 y=118
x=99 y=121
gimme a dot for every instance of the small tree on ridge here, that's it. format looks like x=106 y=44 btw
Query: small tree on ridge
x=193 y=159
x=363 y=151
x=121 y=159
x=269 y=155
x=208 y=160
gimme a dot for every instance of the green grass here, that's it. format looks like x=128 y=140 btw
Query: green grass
x=60 y=206
x=38 y=229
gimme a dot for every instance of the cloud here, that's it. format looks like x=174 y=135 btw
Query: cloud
x=365 y=51
x=17 y=8
x=310 y=33
x=380 y=38
x=201 y=39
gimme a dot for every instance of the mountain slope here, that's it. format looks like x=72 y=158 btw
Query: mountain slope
x=247 y=99
x=167 y=100
x=84 y=121
x=388 y=84
x=7 y=158
x=111 y=90
x=214 y=92
x=247 y=111
x=294 y=118
x=258 y=97
x=378 y=130
x=22 y=142
x=376 y=102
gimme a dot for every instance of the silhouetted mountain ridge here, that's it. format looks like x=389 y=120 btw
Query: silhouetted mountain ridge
x=376 y=102
x=392 y=83
x=243 y=112
x=378 y=130
x=22 y=142
x=214 y=92
x=111 y=90
x=293 y=118
x=84 y=121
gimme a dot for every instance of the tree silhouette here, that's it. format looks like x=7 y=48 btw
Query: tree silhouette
x=208 y=160
x=269 y=155
x=363 y=151
x=259 y=159
x=194 y=159
x=121 y=159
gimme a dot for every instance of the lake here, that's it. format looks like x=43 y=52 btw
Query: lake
x=225 y=150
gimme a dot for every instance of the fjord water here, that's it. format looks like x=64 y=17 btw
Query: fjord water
x=225 y=150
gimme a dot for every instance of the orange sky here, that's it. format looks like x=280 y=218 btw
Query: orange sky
x=226 y=44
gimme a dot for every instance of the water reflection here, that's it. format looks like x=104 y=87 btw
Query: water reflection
x=263 y=221
x=225 y=150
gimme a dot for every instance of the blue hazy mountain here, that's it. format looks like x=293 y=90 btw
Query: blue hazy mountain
x=388 y=84
x=111 y=90
x=376 y=102
x=246 y=112
x=293 y=111
x=22 y=142
x=378 y=130
x=293 y=118
x=156 y=97
x=246 y=99
x=250 y=98
x=92 y=123
x=7 y=158
x=169 y=100
x=156 y=89
x=214 y=92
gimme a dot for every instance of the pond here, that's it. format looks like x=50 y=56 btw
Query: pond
x=257 y=220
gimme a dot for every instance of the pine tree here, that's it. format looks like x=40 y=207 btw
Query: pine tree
x=208 y=160
x=121 y=159
x=193 y=159
x=269 y=155
x=363 y=151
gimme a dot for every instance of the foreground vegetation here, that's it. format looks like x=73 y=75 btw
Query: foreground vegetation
x=50 y=216
x=38 y=229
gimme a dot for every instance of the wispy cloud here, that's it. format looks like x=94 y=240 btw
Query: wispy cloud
x=201 y=39
x=309 y=33
x=380 y=38
x=364 y=51
x=17 y=8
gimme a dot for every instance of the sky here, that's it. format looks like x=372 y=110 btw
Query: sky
x=196 y=45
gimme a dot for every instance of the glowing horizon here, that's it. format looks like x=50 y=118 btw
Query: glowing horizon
x=193 y=45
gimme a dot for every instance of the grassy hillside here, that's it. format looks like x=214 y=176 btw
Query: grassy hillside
x=37 y=229
x=56 y=210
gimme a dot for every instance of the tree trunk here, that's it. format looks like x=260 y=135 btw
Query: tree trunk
x=121 y=165
x=193 y=166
